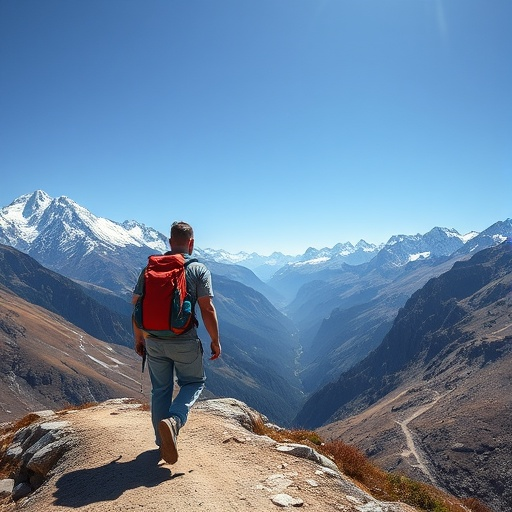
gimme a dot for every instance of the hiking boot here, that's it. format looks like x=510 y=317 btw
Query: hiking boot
x=168 y=430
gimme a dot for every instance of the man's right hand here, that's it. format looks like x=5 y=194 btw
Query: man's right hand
x=216 y=350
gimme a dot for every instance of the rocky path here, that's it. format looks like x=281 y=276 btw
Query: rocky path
x=113 y=466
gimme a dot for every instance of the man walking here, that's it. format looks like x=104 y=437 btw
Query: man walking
x=169 y=353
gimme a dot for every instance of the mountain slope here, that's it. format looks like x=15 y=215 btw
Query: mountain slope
x=344 y=314
x=443 y=370
x=433 y=319
x=258 y=341
x=22 y=275
x=243 y=275
x=65 y=237
x=361 y=305
x=259 y=352
x=47 y=362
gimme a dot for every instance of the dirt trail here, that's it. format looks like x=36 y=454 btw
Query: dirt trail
x=222 y=467
x=413 y=449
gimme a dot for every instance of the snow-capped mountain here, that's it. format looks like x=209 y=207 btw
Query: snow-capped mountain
x=493 y=235
x=33 y=218
x=265 y=266
x=402 y=249
x=250 y=260
x=64 y=236
x=341 y=253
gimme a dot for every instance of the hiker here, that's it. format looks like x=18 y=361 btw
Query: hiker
x=182 y=354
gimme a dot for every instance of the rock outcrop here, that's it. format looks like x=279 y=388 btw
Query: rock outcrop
x=33 y=452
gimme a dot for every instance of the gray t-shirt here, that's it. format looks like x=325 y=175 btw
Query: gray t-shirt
x=199 y=284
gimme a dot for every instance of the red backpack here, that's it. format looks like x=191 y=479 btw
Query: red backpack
x=165 y=304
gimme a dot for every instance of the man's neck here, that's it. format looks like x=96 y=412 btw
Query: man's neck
x=180 y=251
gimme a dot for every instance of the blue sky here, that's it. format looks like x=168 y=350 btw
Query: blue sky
x=268 y=125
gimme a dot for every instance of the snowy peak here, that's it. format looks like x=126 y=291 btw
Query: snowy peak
x=37 y=219
x=19 y=220
x=402 y=249
x=493 y=235
x=335 y=257
x=34 y=205
x=146 y=235
x=55 y=228
x=364 y=246
x=66 y=237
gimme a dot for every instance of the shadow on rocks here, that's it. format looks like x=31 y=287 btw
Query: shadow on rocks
x=110 y=481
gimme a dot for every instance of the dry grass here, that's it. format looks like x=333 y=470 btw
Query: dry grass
x=475 y=505
x=6 y=436
x=379 y=483
x=79 y=407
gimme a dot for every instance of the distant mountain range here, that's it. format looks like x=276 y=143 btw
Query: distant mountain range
x=57 y=230
x=341 y=301
x=327 y=338
x=434 y=399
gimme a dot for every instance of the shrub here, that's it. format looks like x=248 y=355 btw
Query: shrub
x=379 y=483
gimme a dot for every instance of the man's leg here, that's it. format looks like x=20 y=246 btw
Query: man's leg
x=161 y=372
x=188 y=363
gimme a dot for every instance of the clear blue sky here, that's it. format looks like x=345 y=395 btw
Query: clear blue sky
x=268 y=125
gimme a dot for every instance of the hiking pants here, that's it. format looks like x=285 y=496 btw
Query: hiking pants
x=166 y=358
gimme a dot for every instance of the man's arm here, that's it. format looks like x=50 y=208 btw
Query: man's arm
x=138 y=334
x=209 y=316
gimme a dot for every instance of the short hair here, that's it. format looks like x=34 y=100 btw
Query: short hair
x=181 y=232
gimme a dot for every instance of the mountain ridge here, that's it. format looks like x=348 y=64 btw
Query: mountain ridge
x=442 y=375
x=30 y=219
x=251 y=328
x=24 y=276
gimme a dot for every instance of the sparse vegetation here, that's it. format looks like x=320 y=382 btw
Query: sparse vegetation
x=144 y=406
x=6 y=436
x=353 y=463
x=79 y=407
x=475 y=505
x=8 y=432
x=379 y=483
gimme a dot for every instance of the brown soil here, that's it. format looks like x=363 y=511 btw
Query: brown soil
x=222 y=467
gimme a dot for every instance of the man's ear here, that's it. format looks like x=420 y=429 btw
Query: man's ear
x=191 y=246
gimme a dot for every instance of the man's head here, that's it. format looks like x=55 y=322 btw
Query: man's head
x=182 y=237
